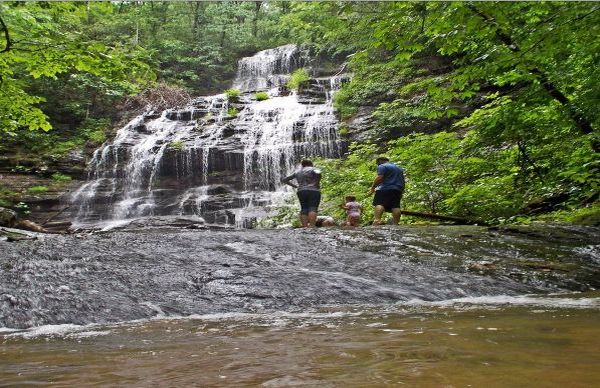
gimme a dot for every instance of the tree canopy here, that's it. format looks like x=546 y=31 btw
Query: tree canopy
x=491 y=106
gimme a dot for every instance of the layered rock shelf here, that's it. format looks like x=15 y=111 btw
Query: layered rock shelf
x=220 y=159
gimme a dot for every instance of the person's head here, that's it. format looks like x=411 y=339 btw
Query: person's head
x=350 y=198
x=306 y=163
x=381 y=160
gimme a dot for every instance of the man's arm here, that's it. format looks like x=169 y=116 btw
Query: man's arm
x=287 y=180
x=376 y=182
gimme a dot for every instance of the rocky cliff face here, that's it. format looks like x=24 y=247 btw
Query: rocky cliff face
x=220 y=158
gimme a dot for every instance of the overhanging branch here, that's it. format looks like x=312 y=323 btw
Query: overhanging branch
x=573 y=111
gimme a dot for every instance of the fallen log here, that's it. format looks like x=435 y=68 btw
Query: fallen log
x=458 y=220
x=55 y=215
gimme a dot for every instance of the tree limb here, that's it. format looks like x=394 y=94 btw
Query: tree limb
x=582 y=123
x=439 y=217
x=6 y=35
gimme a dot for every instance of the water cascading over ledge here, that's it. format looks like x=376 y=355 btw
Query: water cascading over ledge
x=201 y=161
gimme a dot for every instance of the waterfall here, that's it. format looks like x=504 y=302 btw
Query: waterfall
x=268 y=68
x=203 y=162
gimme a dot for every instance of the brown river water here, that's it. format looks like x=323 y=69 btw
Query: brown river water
x=463 y=345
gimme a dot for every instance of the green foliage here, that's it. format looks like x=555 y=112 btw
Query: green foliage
x=177 y=145
x=287 y=215
x=578 y=215
x=261 y=96
x=37 y=189
x=45 y=42
x=232 y=94
x=297 y=77
x=62 y=148
x=7 y=197
x=21 y=169
x=511 y=84
x=58 y=177
x=94 y=130
x=350 y=176
x=22 y=208
x=97 y=137
x=444 y=175
x=344 y=130
x=232 y=112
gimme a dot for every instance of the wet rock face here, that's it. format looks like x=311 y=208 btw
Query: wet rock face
x=138 y=272
x=216 y=159
x=7 y=217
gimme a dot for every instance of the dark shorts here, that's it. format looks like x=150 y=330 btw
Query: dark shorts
x=309 y=201
x=389 y=199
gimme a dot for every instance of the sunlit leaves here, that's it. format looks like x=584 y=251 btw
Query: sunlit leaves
x=47 y=42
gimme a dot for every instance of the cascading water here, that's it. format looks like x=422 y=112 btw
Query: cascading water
x=204 y=160
x=268 y=68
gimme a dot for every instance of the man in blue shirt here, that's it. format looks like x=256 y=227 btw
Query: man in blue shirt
x=388 y=187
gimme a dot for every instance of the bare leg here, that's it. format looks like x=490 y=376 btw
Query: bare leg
x=396 y=215
x=304 y=220
x=312 y=219
x=378 y=213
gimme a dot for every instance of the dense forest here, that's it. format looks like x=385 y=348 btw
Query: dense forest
x=492 y=108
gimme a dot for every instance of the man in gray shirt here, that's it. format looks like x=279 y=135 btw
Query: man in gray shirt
x=309 y=191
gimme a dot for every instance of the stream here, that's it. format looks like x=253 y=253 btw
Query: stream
x=387 y=306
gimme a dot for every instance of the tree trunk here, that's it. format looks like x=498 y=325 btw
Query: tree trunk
x=439 y=217
x=223 y=34
x=6 y=36
x=255 y=20
x=581 y=122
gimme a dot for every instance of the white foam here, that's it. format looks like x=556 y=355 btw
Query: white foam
x=522 y=300
x=282 y=318
x=48 y=331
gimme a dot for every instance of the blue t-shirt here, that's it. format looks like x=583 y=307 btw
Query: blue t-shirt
x=393 y=177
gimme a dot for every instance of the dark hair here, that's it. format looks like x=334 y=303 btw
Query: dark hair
x=351 y=198
x=381 y=159
x=306 y=163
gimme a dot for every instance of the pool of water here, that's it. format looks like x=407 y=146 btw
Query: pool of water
x=541 y=342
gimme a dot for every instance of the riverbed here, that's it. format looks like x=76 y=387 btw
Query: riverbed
x=415 y=306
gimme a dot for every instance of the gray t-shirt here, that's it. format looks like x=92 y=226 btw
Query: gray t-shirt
x=308 y=178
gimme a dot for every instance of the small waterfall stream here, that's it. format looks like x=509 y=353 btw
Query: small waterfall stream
x=217 y=160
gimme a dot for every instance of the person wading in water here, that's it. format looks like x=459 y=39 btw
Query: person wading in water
x=388 y=187
x=309 y=191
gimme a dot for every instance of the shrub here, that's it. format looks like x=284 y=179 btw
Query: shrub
x=344 y=130
x=22 y=208
x=58 y=177
x=261 y=96
x=7 y=197
x=232 y=112
x=97 y=136
x=21 y=169
x=232 y=94
x=297 y=77
x=64 y=147
x=177 y=145
x=38 y=189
